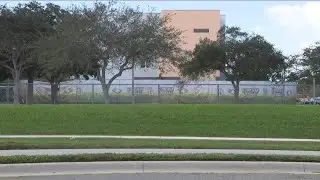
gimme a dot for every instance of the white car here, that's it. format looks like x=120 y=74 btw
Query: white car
x=315 y=100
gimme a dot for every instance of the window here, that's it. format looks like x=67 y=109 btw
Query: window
x=200 y=30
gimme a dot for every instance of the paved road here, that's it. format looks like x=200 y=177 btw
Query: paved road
x=158 y=137
x=154 y=151
x=166 y=176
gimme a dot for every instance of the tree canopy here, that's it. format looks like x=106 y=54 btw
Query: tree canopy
x=20 y=27
x=55 y=44
x=107 y=39
x=239 y=55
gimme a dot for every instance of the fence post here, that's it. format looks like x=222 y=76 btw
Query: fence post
x=159 y=94
x=314 y=87
x=25 y=96
x=283 y=93
x=218 y=93
x=92 y=95
x=8 y=92
x=77 y=101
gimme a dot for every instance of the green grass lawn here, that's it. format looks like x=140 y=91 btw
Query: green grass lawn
x=6 y=144
x=281 y=121
x=155 y=157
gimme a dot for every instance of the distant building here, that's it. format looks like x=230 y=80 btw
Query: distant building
x=195 y=24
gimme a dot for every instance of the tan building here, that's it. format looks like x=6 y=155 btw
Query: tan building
x=195 y=24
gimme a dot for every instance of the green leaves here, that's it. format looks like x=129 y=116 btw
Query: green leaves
x=238 y=54
x=306 y=65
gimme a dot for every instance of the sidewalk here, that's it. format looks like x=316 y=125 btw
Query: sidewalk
x=78 y=168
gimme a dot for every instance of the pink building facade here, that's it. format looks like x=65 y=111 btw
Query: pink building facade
x=195 y=24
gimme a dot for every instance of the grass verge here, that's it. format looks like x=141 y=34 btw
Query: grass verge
x=165 y=99
x=154 y=157
x=279 y=121
x=6 y=144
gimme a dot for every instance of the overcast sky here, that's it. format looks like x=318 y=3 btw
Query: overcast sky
x=291 y=26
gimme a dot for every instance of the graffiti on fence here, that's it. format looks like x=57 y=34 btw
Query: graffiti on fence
x=277 y=90
x=250 y=91
x=231 y=91
x=141 y=90
x=116 y=90
x=166 y=90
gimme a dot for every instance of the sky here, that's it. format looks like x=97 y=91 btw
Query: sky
x=289 y=25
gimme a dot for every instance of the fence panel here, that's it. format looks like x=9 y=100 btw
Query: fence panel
x=6 y=93
x=165 y=93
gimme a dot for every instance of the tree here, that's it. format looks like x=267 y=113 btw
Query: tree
x=49 y=16
x=237 y=54
x=64 y=54
x=106 y=39
x=4 y=72
x=126 y=37
x=140 y=39
x=310 y=61
x=20 y=27
x=305 y=66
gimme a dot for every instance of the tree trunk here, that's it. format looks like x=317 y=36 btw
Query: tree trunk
x=30 y=89
x=106 y=88
x=236 y=87
x=102 y=79
x=16 y=89
x=54 y=93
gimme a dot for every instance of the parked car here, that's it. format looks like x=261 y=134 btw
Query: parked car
x=315 y=101
x=303 y=101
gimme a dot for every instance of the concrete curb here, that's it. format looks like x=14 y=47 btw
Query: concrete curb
x=77 y=168
x=158 y=137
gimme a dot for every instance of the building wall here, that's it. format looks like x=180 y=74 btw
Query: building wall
x=189 y=20
x=186 y=21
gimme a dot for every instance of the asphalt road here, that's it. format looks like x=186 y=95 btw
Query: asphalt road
x=168 y=176
x=154 y=151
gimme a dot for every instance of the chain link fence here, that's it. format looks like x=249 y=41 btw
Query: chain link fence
x=177 y=93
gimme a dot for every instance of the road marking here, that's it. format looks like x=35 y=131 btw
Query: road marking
x=157 y=137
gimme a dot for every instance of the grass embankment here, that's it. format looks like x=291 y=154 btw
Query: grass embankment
x=154 y=157
x=6 y=144
x=278 y=121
